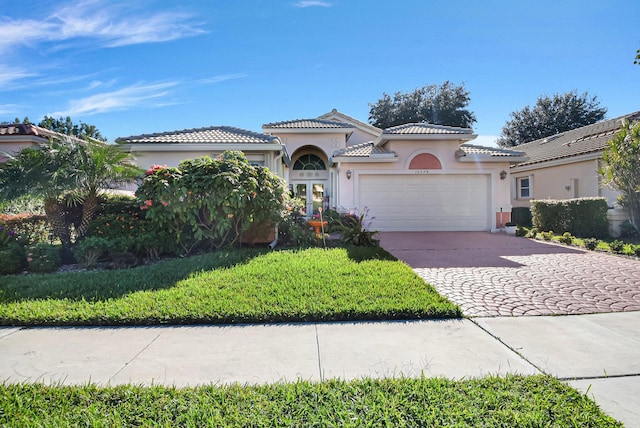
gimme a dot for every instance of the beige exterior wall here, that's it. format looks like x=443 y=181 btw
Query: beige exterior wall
x=561 y=181
x=406 y=150
x=359 y=136
x=13 y=148
x=327 y=142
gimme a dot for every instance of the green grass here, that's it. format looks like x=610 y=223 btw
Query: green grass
x=229 y=287
x=534 y=401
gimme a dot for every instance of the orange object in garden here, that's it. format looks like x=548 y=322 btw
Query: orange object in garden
x=317 y=225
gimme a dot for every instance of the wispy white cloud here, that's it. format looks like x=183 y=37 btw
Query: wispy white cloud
x=6 y=109
x=10 y=75
x=111 y=23
x=222 y=78
x=122 y=99
x=311 y=3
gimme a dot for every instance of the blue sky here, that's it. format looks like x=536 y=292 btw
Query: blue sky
x=133 y=67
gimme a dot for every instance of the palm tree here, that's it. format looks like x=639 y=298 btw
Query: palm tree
x=67 y=166
x=99 y=166
x=42 y=171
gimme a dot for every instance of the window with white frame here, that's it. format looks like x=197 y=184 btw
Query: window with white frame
x=524 y=187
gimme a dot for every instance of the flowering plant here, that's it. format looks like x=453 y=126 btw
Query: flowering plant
x=6 y=236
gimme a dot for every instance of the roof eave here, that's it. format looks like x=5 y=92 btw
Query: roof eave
x=347 y=131
x=364 y=159
x=494 y=159
x=179 y=147
x=564 y=160
x=459 y=138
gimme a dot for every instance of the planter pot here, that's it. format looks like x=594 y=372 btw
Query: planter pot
x=510 y=230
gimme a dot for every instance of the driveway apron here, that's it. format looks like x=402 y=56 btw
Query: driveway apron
x=498 y=275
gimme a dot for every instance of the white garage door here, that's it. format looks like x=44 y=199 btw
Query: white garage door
x=456 y=202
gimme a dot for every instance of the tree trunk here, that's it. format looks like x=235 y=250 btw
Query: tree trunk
x=90 y=207
x=56 y=219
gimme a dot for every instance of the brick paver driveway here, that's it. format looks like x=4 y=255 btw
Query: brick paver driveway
x=494 y=274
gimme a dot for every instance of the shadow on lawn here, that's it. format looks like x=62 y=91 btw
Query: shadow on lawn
x=111 y=284
x=360 y=254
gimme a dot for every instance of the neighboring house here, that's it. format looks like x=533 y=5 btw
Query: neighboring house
x=565 y=166
x=17 y=136
x=412 y=177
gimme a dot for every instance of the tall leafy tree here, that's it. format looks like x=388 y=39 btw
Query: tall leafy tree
x=550 y=116
x=621 y=168
x=437 y=104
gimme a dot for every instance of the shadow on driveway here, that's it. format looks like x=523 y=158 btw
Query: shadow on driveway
x=463 y=249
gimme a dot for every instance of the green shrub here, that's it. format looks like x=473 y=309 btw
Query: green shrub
x=210 y=202
x=532 y=233
x=521 y=216
x=11 y=258
x=28 y=228
x=154 y=244
x=354 y=230
x=295 y=231
x=616 y=246
x=566 y=238
x=43 y=258
x=90 y=250
x=119 y=204
x=636 y=250
x=25 y=204
x=627 y=230
x=583 y=217
x=522 y=231
x=591 y=243
x=547 y=236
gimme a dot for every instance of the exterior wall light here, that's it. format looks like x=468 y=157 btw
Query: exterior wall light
x=348 y=174
x=503 y=174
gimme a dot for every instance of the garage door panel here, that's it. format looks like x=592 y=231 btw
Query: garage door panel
x=426 y=202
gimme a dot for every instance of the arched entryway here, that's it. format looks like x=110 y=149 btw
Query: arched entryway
x=309 y=179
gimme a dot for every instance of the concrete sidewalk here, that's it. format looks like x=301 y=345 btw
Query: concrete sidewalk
x=601 y=351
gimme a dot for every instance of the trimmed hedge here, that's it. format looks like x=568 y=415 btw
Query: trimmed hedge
x=582 y=217
x=521 y=216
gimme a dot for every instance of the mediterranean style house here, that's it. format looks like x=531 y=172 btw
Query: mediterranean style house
x=565 y=166
x=413 y=177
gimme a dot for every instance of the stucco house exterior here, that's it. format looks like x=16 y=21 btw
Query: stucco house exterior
x=411 y=177
x=565 y=166
x=17 y=136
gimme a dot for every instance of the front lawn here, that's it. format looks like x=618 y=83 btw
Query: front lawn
x=235 y=286
x=533 y=401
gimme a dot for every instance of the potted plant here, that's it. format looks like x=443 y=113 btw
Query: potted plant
x=510 y=228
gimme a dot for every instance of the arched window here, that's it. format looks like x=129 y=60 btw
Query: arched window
x=309 y=162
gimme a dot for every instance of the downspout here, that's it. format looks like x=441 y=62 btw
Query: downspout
x=273 y=244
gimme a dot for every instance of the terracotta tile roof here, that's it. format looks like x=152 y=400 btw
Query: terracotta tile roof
x=213 y=134
x=36 y=131
x=470 y=149
x=580 y=141
x=426 y=128
x=308 y=124
x=362 y=150
x=333 y=114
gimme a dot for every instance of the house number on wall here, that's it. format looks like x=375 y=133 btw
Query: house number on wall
x=421 y=171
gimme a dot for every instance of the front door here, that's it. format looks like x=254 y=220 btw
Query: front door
x=312 y=193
